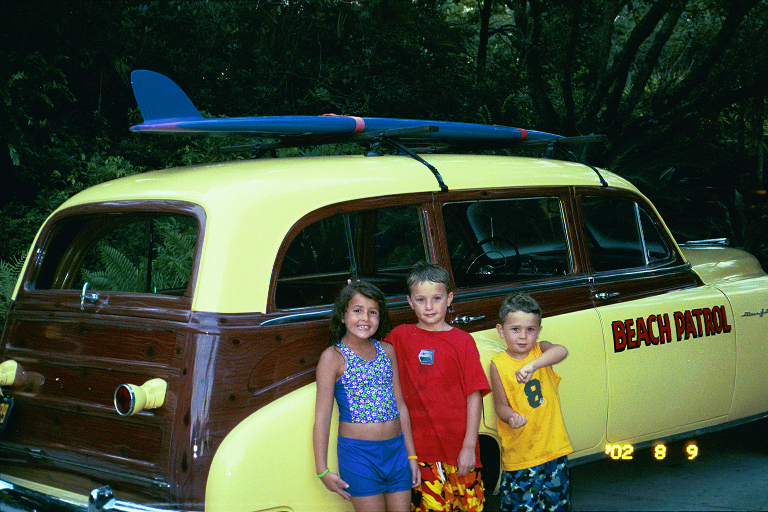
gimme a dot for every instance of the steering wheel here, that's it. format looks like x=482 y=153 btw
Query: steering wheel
x=479 y=245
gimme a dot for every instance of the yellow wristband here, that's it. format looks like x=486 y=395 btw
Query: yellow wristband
x=413 y=457
x=321 y=475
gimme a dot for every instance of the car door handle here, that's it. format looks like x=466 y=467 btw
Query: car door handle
x=605 y=295
x=465 y=319
x=90 y=297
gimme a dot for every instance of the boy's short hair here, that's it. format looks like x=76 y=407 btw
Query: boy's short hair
x=425 y=271
x=519 y=302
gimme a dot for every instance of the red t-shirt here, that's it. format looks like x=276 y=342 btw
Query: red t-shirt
x=438 y=371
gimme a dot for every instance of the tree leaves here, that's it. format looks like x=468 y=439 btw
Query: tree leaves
x=666 y=80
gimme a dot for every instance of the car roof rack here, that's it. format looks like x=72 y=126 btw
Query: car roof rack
x=167 y=109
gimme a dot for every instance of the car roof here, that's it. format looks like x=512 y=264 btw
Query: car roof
x=251 y=204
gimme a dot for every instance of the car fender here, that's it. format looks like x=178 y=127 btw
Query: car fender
x=267 y=463
x=749 y=301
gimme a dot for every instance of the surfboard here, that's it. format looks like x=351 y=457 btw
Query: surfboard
x=167 y=109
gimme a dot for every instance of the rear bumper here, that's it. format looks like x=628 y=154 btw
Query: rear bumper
x=16 y=497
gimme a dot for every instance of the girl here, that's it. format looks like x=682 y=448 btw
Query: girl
x=377 y=460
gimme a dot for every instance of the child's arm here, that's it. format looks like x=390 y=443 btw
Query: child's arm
x=550 y=354
x=500 y=403
x=467 y=459
x=405 y=418
x=327 y=370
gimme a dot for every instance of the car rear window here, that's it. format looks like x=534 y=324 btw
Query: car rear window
x=135 y=252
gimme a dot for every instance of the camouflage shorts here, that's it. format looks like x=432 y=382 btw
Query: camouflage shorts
x=543 y=487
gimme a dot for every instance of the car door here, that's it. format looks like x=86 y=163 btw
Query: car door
x=505 y=241
x=669 y=341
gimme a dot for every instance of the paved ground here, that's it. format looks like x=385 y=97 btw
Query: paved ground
x=729 y=473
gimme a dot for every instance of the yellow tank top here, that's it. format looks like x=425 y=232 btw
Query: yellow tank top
x=543 y=437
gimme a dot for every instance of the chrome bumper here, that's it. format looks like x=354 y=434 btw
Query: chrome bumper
x=16 y=498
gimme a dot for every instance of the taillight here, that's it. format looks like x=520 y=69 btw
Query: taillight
x=125 y=401
x=130 y=398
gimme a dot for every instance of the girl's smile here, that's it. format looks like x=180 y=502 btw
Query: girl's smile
x=361 y=317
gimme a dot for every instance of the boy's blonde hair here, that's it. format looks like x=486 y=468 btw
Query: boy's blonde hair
x=519 y=302
x=425 y=271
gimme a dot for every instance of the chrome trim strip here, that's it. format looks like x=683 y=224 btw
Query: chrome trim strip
x=40 y=455
x=709 y=241
x=616 y=275
x=38 y=501
x=323 y=314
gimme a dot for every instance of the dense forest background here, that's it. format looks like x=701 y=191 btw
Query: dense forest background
x=678 y=86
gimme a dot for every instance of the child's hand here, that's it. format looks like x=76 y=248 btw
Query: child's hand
x=415 y=473
x=334 y=483
x=525 y=373
x=517 y=420
x=466 y=461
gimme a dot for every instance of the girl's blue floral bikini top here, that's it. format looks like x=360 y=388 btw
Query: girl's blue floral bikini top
x=364 y=392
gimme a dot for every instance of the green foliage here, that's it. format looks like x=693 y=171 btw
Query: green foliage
x=120 y=260
x=174 y=258
x=119 y=273
x=9 y=273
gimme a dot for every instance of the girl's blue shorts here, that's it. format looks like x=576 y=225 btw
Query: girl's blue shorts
x=374 y=467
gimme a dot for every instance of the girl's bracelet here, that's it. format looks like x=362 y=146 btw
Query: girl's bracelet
x=413 y=457
x=321 y=475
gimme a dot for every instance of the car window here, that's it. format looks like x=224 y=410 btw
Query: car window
x=621 y=234
x=378 y=245
x=129 y=252
x=506 y=240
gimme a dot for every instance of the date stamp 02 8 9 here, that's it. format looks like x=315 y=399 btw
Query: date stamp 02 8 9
x=660 y=451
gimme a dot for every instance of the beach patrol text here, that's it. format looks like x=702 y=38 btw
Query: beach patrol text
x=658 y=329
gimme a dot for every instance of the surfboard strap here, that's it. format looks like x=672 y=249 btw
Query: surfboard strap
x=359 y=122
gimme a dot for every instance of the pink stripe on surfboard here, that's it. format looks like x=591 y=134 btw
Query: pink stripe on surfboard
x=359 y=121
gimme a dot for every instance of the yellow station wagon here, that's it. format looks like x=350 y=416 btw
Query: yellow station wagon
x=161 y=346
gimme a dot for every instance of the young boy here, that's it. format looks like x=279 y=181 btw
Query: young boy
x=443 y=383
x=533 y=437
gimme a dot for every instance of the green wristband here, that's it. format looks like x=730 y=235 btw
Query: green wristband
x=321 y=475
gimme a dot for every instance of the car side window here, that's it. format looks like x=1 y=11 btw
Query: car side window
x=120 y=252
x=378 y=245
x=621 y=234
x=506 y=240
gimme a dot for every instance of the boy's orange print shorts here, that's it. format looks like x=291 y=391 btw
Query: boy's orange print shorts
x=442 y=489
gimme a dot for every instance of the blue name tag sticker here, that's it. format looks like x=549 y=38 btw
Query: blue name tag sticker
x=427 y=356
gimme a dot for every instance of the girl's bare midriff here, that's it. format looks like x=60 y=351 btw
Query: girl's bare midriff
x=370 y=431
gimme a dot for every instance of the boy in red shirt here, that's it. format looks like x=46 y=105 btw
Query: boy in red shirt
x=443 y=383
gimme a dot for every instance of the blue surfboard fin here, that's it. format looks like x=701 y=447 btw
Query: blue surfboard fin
x=160 y=99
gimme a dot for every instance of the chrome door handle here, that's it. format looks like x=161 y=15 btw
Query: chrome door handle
x=90 y=297
x=465 y=319
x=605 y=295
